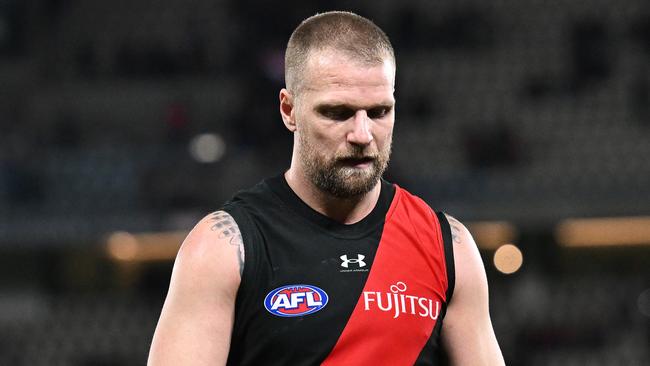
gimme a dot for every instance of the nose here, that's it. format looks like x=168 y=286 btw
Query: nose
x=360 y=133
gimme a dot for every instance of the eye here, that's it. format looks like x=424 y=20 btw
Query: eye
x=379 y=112
x=336 y=113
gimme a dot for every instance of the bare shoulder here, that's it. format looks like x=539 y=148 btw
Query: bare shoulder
x=213 y=249
x=459 y=232
x=467 y=259
x=198 y=314
x=467 y=332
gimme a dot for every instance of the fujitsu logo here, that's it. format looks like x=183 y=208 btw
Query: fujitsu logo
x=358 y=261
x=397 y=302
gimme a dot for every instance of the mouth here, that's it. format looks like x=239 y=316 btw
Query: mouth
x=357 y=162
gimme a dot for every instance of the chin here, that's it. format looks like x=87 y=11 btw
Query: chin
x=356 y=184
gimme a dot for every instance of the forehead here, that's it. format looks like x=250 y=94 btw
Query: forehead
x=334 y=77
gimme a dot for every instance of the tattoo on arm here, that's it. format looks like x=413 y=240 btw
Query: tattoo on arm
x=455 y=229
x=227 y=228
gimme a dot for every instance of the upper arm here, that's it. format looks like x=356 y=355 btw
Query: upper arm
x=467 y=332
x=196 y=321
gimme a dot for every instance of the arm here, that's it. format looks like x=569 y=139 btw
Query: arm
x=467 y=333
x=197 y=318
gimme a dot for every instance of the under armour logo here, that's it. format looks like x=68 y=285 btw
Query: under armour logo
x=359 y=260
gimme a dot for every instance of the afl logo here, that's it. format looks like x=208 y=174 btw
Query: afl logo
x=295 y=300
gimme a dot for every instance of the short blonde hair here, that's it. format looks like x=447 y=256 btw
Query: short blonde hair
x=354 y=35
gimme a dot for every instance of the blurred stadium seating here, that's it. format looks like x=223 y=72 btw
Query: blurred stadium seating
x=523 y=111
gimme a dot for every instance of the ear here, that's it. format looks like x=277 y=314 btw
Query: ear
x=287 y=109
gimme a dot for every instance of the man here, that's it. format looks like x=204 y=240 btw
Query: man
x=328 y=263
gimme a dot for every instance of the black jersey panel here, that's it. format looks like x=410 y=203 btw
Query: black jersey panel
x=286 y=249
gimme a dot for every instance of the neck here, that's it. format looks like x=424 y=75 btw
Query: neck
x=343 y=210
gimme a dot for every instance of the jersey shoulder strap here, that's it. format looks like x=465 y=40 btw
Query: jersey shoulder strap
x=449 y=253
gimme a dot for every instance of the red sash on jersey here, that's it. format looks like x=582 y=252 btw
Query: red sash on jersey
x=404 y=294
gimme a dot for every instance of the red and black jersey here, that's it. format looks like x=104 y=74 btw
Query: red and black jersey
x=315 y=291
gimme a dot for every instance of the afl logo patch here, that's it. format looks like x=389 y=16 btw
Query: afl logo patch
x=295 y=300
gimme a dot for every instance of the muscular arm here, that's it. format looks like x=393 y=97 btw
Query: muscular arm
x=197 y=318
x=467 y=332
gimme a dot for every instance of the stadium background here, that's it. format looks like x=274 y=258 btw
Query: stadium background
x=124 y=122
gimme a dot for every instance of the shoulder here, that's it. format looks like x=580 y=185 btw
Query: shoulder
x=261 y=192
x=414 y=204
x=468 y=264
x=459 y=232
x=198 y=313
x=213 y=251
x=467 y=332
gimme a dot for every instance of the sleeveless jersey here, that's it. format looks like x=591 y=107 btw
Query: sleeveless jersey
x=315 y=291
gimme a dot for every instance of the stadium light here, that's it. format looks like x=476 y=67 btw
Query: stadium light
x=604 y=232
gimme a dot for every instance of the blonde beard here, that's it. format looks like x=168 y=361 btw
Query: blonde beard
x=340 y=181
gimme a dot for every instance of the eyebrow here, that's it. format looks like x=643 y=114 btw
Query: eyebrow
x=343 y=106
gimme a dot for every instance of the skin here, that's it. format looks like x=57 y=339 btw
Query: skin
x=467 y=333
x=344 y=108
x=198 y=315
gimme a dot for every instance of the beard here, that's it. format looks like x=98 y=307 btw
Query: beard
x=338 y=175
